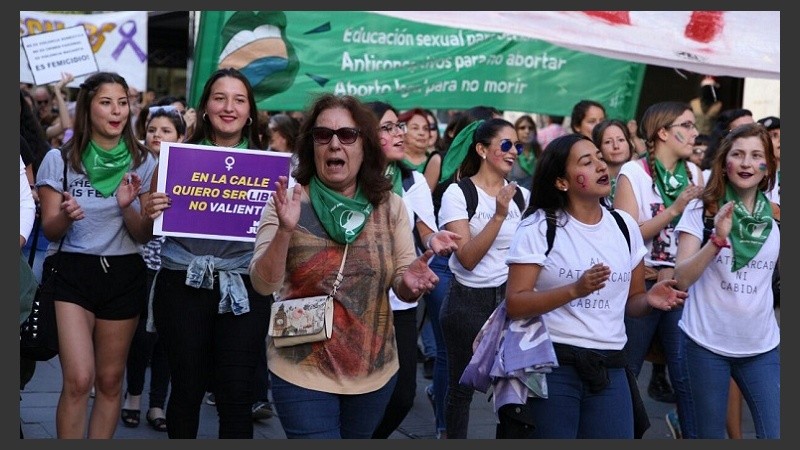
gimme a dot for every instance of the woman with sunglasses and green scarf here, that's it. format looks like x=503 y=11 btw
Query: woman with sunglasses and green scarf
x=342 y=202
x=729 y=328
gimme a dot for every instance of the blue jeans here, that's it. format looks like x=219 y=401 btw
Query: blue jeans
x=758 y=377
x=464 y=311
x=662 y=324
x=309 y=414
x=433 y=303
x=571 y=411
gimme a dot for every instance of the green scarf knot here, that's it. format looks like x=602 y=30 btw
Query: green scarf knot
x=105 y=168
x=342 y=217
x=749 y=231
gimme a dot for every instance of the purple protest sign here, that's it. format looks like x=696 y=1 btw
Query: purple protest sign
x=216 y=192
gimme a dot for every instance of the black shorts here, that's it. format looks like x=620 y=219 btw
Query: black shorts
x=110 y=287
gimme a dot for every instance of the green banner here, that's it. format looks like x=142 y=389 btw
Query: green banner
x=290 y=56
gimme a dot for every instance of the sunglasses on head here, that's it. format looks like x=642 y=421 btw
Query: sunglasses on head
x=506 y=144
x=346 y=135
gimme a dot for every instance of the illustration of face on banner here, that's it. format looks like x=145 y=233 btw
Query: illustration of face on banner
x=255 y=43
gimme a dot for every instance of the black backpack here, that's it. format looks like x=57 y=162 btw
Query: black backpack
x=551 y=229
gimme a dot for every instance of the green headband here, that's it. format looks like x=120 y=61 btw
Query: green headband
x=458 y=150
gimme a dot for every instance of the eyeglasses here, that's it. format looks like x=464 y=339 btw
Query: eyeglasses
x=346 y=135
x=687 y=125
x=506 y=144
x=392 y=127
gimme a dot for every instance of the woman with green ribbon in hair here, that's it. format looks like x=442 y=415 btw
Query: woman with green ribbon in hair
x=95 y=228
x=343 y=201
x=728 y=327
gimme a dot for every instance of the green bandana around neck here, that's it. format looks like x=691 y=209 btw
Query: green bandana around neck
x=749 y=231
x=105 y=168
x=458 y=150
x=527 y=161
x=342 y=217
x=416 y=167
x=670 y=185
x=244 y=143
x=393 y=173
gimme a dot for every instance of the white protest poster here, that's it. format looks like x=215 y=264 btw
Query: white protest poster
x=118 y=40
x=65 y=50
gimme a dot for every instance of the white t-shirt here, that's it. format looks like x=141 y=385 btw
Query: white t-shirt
x=418 y=200
x=598 y=320
x=661 y=250
x=491 y=270
x=730 y=313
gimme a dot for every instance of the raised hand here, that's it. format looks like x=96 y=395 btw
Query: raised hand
x=723 y=221
x=128 y=189
x=592 y=280
x=444 y=242
x=664 y=296
x=504 y=198
x=419 y=278
x=71 y=208
x=157 y=202
x=287 y=208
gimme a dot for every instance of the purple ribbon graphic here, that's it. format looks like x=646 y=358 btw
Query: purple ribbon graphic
x=127 y=38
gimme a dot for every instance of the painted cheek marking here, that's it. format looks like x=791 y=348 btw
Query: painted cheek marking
x=580 y=179
x=680 y=137
x=762 y=167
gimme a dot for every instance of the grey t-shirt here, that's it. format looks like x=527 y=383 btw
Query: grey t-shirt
x=102 y=231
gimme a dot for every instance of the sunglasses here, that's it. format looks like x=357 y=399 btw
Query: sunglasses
x=346 y=135
x=506 y=144
x=400 y=127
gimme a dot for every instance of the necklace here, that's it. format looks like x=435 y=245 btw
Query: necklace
x=233 y=146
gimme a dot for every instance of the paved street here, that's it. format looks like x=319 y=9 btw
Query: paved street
x=37 y=411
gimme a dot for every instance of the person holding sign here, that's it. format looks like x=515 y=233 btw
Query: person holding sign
x=339 y=387
x=204 y=306
x=95 y=229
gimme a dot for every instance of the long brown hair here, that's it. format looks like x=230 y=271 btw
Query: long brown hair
x=82 y=127
x=203 y=130
x=370 y=176
x=715 y=188
x=657 y=116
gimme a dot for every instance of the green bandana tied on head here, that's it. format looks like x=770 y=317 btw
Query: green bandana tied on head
x=670 y=185
x=749 y=231
x=105 y=168
x=393 y=173
x=458 y=150
x=243 y=144
x=342 y=217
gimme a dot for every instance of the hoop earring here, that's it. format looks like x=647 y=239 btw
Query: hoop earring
x=249 y=121
x=205 y=117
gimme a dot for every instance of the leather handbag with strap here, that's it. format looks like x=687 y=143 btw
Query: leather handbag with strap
x=305 y=319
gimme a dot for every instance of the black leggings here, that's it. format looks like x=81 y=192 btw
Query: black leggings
x=205 y=348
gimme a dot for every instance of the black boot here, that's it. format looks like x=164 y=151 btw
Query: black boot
x=659 y=388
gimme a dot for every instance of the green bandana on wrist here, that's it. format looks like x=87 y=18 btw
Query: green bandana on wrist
x=105 y=168
x=342 y=217
x=749 y=231
x=670 y=185
x=458 y=150
x=393 y=173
